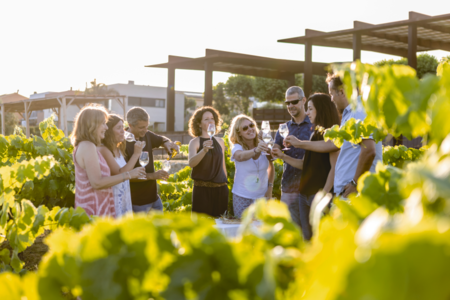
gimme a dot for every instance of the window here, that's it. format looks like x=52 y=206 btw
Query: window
x=146 y=102
x=159 y=126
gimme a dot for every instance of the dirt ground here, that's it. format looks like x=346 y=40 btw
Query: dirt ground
x=33 y=254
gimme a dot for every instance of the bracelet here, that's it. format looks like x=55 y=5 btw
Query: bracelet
x=128 y=173
x=270 y=184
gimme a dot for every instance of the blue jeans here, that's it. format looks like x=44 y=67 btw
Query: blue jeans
x=292 y=201
x=157 y=205
x=305 y=208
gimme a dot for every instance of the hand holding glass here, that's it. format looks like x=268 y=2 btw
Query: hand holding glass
x=143 y=160
x=211 y=131
x=267 y=137
x=284 y=131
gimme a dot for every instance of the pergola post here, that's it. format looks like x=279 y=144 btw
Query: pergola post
x=64 y=113
x=412 y=45
x=308 y=72
x=27 y=119
x=170 y=105
x=208 y=97
x=356 y=46
x=3 y=119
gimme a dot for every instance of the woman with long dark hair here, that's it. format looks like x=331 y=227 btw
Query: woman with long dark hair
x=113 y=150
x=207 y=160
x=318 y=168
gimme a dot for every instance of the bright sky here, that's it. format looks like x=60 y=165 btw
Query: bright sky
x=55 y=45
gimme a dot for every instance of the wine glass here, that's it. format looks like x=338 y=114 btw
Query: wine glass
x=284 y=131
x=165 y=167
x=129 y=137
x=267 y=137
x=265 y=126
x=211 y=130
x=143 y=160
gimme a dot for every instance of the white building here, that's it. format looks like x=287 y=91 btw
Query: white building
x=150 y=98
x=153 y=100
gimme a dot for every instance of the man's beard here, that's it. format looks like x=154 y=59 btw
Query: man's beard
x=294 y=114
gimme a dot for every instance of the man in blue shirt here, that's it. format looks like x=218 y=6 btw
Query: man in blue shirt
x=300 y=127
x=353 y=160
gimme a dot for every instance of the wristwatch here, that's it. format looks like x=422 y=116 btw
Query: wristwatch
x=353 y=182
x=270 y=184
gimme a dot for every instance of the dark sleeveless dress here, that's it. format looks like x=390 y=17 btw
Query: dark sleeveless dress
x=209 y=172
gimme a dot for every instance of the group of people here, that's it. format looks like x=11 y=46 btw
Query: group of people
x=107 y=166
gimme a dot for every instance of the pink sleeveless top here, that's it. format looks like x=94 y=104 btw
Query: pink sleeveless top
x=94 y=202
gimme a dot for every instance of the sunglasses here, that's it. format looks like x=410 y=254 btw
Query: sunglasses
x=293 y=102
x=246 y=127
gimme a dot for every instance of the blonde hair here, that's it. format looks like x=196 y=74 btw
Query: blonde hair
x=234 y=136
x=87 y=122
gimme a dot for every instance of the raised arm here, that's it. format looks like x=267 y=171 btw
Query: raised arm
x=88 y=159
x=194 y=157
x=114 y=166
x=365 y=161
x=315 y=146
x=295 y=162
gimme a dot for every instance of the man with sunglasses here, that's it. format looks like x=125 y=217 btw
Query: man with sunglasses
x=300 y=127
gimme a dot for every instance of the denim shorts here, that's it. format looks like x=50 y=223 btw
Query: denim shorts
x=157 y=205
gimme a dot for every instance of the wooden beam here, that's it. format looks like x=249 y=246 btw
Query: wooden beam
x=170 y=103
x=356 y=46
x=412 y=46
x=27 y=121
x=439 y=28
x=64 y=115
x=3 y=119
x=308 y=75
x=208 y=95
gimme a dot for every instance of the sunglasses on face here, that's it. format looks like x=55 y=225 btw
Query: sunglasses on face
x=293 y=102
x=246 y=127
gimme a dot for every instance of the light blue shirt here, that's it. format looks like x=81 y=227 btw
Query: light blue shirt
x=349 y=155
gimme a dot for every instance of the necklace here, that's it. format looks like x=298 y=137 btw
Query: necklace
x=257 y=168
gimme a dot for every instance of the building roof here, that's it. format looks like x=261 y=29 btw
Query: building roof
x=433 y=33
x=7 y=98
x=244 y=64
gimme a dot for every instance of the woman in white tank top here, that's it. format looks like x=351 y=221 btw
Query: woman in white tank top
x=113 y=150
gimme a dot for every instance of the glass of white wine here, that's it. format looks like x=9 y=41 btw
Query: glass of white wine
x=265 y=126
x=267 y=137
x=284 y=131
x=129 y=137
x=143 y=160
x=211 y=130
x=165 y=167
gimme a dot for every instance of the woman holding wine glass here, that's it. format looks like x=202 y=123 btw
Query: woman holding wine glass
x=207 y=160
x=93 y=180
x=255 y=173
x=318 y=168
x=113 y=150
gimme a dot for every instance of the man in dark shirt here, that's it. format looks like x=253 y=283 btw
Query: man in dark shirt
x=300 y=127
x=144 y=195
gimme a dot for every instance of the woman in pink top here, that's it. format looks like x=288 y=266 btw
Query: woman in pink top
x=93 y=180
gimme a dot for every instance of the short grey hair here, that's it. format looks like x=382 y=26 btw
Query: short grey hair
x=295 y=90
x=136 y=114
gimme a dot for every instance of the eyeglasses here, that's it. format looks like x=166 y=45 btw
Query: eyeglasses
x=246 y=127
x=293 y=102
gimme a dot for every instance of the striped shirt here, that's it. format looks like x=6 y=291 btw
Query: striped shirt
x=94 y=202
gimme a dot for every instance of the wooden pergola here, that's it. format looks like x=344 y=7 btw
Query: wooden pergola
x=403 y=38
x=235 y=63
x=58 y=102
